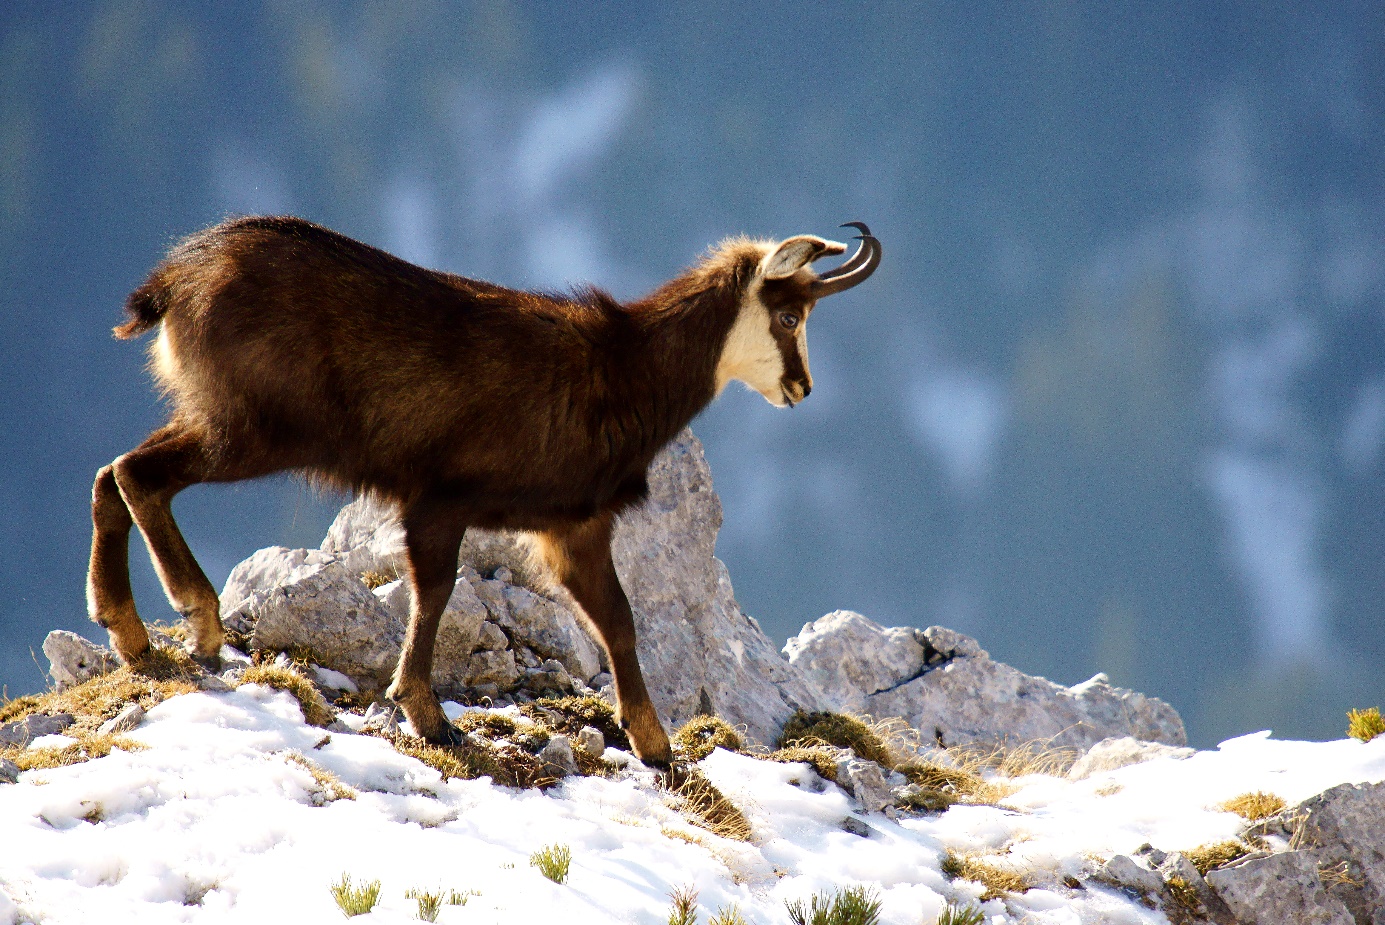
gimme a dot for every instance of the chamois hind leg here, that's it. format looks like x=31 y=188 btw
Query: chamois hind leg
x=432 y=535
x=580 y=558
x=110 y=602
x=148 y=477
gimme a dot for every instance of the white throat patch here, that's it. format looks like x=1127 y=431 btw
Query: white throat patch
x=751 y=353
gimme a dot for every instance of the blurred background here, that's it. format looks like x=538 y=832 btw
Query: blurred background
x=1115 y=400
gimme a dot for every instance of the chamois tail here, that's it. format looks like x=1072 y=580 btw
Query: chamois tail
x=145 y=307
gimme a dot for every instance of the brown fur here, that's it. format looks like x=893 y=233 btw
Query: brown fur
x=286 y=346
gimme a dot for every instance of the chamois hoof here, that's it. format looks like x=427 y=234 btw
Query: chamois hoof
x=449 y=735
x=208 y=663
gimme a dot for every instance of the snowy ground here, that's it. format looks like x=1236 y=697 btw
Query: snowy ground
x=213 y=823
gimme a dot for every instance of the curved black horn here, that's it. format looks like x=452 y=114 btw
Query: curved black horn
x=861 y=265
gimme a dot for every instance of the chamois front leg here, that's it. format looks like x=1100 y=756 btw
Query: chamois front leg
x=580 y=558
x=432 y=535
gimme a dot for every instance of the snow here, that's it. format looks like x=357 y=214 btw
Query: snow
x=214 y=822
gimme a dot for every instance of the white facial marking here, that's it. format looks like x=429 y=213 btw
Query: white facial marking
x=751 y=353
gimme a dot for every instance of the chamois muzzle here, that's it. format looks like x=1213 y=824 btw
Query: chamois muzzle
x=861 y=265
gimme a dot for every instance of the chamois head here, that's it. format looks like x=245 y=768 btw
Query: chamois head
x=767 y=348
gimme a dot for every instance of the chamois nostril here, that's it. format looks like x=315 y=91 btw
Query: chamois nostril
x=807 y=388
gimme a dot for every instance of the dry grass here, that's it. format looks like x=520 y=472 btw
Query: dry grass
x=841 y=730
x=820 y=759
x=1184 y=895
x=574 y=712
x=286 y=679
x=89 y=745
x=1365 y=724
x=161 y=674
x=506 y=765
x=701 y=735
x=1209 y=857
x=683 y=906
x=1254 y=806
x=373 y=580
x=329 y=786
x=689 y=837
x=704 y=805
x=996 y=876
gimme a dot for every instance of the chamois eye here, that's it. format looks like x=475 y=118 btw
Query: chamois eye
x=788 y=320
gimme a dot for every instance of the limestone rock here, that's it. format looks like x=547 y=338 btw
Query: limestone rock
x=382 y=718
x=9 y=771
x=73 y=659
x=866 y=783
x=550 y=629
x=557 y=755
x=1346 y=828
x=1113 y=753
x=457 y=635
x=23 y=731
x=591 y=741
x=130 y=716
x=1125 y=872
x=1282 y=889
x=851 y=658
x=493 y=667
x=264 y=571
x=327 y=608
x=368 y=537
x=491 y=638
x=692 y=637
x=959 y=695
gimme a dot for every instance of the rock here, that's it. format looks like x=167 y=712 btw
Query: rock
x=326 y=608
x=557 y=755
x=866 y=783
x=491 y=638
x=604 y=679
x=23 y=731
x=550 y=629
x=73 y=659
x=549 y=676
x=1110 y=754
x=493 y=667
x=959 y=695
x=1178 y=866
x=368 y=537
x=691 y=634
x=457 y=635
x=129 y=717
x=9 y=771
x=264 y=571
x=1345 y=827
x=382 y=718
x=213 y=684
x=1282 y=889
x=591 y=741
x=851 y=658
x=1125 y=872
x=394 y=595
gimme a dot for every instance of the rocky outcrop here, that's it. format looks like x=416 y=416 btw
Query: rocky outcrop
x=73 y=659
x=946 y=685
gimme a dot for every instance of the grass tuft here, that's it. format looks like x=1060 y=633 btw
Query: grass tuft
x=286 y=679
x=553 y=862
x=430 y=903
x=1184 y=894
x=1209 y=857
x=89 y=745
x=821 y=759
x=355 y=900
x=838 y=729
x=1365 y=724
x=998 y=880
x=373 y=580
x=1254 y=806
x=329 y=786
x=854 y=905
x=701 y=735
x=954 y=914
x=683 y=910
x=161 y=674
x=705 y=805
x=574 y=712
x=506 y=765
x=728 y=915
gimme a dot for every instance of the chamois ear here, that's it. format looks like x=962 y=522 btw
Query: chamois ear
x=795 y=253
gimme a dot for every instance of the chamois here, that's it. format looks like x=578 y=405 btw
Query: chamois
x=286 y=346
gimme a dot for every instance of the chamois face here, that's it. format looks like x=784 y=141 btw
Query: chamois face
x=767 y=348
